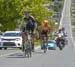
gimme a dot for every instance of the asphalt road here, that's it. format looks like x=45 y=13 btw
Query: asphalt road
x=53 y=58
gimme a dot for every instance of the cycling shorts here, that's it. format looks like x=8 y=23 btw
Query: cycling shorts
x=30 y=27
x=44 y=32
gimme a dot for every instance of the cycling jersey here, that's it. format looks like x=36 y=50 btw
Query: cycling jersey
x=29 y=20
x=30 y=23
x=45 y=27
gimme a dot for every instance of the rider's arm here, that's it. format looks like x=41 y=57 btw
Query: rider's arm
x=35 y=27
x=32 y=19
x=25 y=19
x=34 y=22
x=49 y=27
x=42 y=27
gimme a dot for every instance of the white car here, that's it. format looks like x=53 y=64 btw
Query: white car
x=11 y=39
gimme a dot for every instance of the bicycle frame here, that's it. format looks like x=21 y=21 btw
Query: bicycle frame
x=44 y=43
x=28 y=44
x=29 y=35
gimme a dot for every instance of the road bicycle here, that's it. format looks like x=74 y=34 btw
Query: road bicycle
x=28 y=45
x=43 y=44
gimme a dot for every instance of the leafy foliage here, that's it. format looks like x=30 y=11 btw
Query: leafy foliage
x=12 y=10
x=8 y=14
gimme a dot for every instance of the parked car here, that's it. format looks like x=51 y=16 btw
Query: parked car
x=1 y=33
x=11 y=39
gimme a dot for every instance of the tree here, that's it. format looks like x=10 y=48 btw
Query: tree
x=12 y=10
x=8 y=14
x=37 y=9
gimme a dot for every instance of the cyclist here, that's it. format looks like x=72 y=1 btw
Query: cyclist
x=30 y=25
x=45 y=29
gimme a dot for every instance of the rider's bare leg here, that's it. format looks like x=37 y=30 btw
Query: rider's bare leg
x=33 y=42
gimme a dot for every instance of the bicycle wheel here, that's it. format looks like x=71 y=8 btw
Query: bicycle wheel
x=30 y=48
x=25 y=49
x=28 y=52
x=45 y=48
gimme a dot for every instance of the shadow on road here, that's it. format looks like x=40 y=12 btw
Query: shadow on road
x=40 y=52
x=16 y=55
x=21 y=55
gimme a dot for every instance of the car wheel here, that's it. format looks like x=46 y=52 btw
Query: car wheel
x=0 y=48
x=5 y=48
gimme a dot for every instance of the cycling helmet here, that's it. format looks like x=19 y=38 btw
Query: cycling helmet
x=63 y=28
x=26 y=12
x=46 y=21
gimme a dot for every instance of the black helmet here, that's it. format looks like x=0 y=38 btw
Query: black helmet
x=63 y=28
x=26 y=12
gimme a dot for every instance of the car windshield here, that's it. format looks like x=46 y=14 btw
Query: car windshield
x=50 y=41
x=12 y=34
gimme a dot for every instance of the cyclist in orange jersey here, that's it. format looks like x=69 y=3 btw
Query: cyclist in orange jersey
x=45 y=29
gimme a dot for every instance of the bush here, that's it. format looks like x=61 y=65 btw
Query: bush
x=73 y=20
x=58 y=6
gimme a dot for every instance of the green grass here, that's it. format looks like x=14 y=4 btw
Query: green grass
x=37 y=43
x=73 y=29
x=72 y=9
